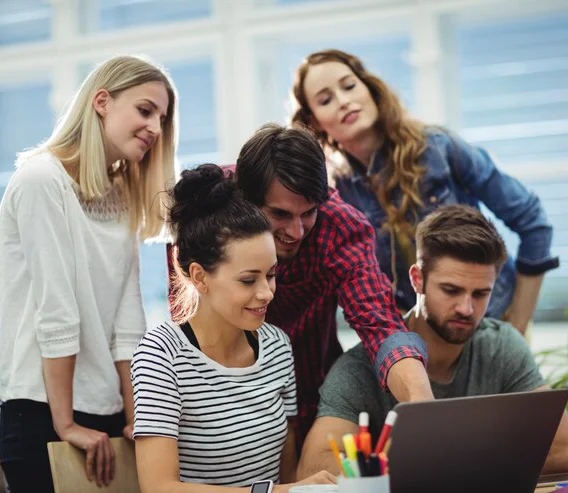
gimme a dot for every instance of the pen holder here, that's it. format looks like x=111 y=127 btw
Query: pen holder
x=375 y=484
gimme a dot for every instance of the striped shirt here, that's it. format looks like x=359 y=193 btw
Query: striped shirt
x=336 y=266
x=230 y=423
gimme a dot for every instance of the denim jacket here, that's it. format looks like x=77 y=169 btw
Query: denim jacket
x=457 y=172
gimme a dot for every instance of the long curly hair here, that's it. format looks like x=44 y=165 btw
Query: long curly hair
x=404 y=142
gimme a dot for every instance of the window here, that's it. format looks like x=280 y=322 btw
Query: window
x=514 y=102
x=25 y=120
x=384 y=56
x=108 y=15
x=514 y=85
x=197 y=144
x=198 y=129
x=23 y=21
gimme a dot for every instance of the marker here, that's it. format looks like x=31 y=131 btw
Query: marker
x=364 y=435
x=387 y=446
x=362 y=463
x=335 y=450
x=349 y=473
x=350 y=447
x=385 y=432
x=374 y=468
x=384 y=463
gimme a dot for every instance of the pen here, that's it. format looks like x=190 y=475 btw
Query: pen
x=385 y=432
x=374 y=468
x=335 y=450
x=364 y=435
x=362 y=463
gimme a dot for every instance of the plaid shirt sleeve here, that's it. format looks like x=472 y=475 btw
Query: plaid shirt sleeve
x=365 y=293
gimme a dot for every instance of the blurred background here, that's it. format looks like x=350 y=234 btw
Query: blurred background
x=495 y=71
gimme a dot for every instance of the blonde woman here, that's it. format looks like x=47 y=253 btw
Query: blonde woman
x=396 y=170
x=70 y=305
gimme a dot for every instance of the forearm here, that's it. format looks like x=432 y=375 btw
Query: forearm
x=58 y=378
x=123 y=369
x=557 y=460
x=181 y=487
x=524 y=301
x=289 y=460
x=324 y=460
x=407 y=380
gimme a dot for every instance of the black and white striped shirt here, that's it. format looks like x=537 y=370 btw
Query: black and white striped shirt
x=230 y=423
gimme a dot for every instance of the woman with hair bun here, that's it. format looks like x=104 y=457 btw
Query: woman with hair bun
x=71 y=311
x=215 y=389
x=396 y=170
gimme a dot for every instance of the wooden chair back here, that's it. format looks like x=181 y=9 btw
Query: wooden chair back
x=68 y=469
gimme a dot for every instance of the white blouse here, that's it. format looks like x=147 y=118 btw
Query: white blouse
x=69 y=285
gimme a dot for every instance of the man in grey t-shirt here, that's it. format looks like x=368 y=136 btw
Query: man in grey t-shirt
x=459 y=254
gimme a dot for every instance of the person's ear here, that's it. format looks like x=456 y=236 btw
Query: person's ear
x=101 y=101
x=416 y=279
x=198 y=277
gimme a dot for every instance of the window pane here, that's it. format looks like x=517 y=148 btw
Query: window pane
x=197 y=144
x=553 y=303
x=514 y=102
x=268 y=3
x=153 y=282
x=385 y=57
x=514 y=80
x=198 y=132
x=26 y=119
x=108 y=15
x=23 y=21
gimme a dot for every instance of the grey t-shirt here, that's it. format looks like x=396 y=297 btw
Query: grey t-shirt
x=495 y=360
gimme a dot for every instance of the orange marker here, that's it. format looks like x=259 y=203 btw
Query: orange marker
x=364 y=435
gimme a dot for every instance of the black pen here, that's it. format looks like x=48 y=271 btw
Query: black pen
x=373 y=468
x=362 y=463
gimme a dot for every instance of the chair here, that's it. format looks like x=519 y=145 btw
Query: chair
x=68 y=469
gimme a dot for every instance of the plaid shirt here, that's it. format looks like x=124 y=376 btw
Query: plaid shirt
x=337 y=265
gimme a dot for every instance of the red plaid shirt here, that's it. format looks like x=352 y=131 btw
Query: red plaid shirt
x=337 y=265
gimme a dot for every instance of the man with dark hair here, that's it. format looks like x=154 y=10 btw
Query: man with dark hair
x=326 y=252
x=459 y=254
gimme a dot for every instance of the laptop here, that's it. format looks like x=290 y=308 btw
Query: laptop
x=493 y=443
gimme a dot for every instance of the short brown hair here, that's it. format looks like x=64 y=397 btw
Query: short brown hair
x=293 y=156
x=462 y=233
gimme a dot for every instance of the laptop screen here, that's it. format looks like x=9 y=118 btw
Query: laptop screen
x=486 y=443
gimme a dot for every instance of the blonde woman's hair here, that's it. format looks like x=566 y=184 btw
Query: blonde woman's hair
x=404 y=142
x=78 y=142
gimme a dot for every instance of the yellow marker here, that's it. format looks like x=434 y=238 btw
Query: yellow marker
x=350 y=447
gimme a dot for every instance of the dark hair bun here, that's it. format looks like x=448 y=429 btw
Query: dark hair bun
x=199 y=193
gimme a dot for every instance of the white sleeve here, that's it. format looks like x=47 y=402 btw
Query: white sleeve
x=39 y=210
x=130 y=322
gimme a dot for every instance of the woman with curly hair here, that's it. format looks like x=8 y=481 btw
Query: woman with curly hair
x=396 y=170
